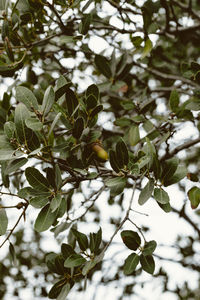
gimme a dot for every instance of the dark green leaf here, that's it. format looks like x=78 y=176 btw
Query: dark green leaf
x=71 y=101
x=131 y=263
x=93 y=90
x=91 y=102
x=78 y=128
x=96 y=110
x=174 y=100
x=169 y=167
x=147 y=263
x=179 y=174
x=67 y=250
x=149 y=248
x=113 y=161
x=56 y=289
x=81 y=238
x=131 y=239
x=36 y=179
x=95 y=241
x=103 y=66
x=122 y=153
x=13 y=254
x=85 y=24
x=64 y=292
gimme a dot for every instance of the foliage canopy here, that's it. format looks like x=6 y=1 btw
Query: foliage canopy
x=99 y=97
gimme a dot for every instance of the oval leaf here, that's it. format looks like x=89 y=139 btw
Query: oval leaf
x=161 y=196
x=36 y=179
x=147 y=263
x=44 y=219
x=149 y=248
x=146 y=192
x=27 y=97
x=74 y=260
x=131 y=239
x=131 y=263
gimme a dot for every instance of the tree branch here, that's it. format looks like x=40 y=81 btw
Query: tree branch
x=184 y=146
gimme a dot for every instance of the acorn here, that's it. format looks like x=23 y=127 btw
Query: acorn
x=100 y=153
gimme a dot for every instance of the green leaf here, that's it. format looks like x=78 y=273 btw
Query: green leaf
x=3 y=221
x=78 y=128
x=115 y=181
x=61 y=87
x=81 y=238
x=161 y=196
x=169 y=167
x=33 y=124
x=95 y=241
x=13 y=254
x=55 y=202
x=9 y=129
x=93 y=90
x=149 y=248
x=194 y=196
x=60 y=228
x=88 y=266
x=131 y=263
x=27 y=97
x=71 y=101
x=103 y=66
x=174 y=100
x=74 y=260
x=131 y=239
x=122 y=153
x=56 y=289
x=67 y=250
x=64 y=292
x=180 y=173
x=147 y=48
x=113 y=161
x=85 y=24
x=53 y=124
x=39 y=201
x=134 y=135
x=21 y=114
x=58 y=178
x=44 y=219
x=96 y=110
x=166 y=207
x=15 y=165
x=146 y=192
x=147 y=263
x=36 y=179
x=91 y=102
x=48 y=100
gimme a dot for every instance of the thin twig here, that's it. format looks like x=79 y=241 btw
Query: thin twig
x=122 y=222
x=18 y=220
